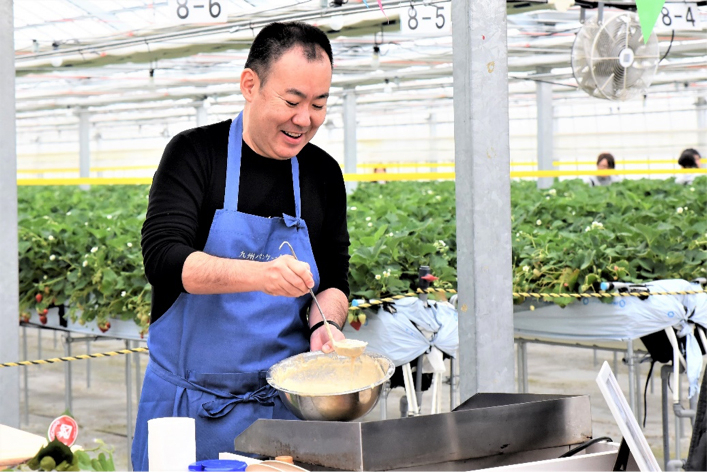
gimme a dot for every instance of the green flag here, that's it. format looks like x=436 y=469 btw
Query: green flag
x=648 y=11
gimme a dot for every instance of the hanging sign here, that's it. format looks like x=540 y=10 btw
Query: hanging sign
x=678 y=16
x=64 y=429
x=198 y=11
x=426 y=20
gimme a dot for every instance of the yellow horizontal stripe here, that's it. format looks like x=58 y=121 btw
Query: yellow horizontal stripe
x=402 y=176
x=593 y=163
x=88 y=181
x=76 y=169
x=392 y=165
x=399 y=176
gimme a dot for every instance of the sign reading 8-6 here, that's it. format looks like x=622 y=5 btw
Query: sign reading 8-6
x=426 y=20
x=197 y=11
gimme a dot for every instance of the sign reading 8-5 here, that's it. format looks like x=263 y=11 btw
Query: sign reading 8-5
x=197 y=11
x=425 y=19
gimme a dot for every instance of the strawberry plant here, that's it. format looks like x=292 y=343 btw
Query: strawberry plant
x=81 y=248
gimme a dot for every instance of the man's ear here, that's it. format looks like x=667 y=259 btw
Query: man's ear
x=249 y=83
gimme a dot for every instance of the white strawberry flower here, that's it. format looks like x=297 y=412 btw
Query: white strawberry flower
x=130 y=244
x=94 y=249
x=52 y=257
x=50 y=238
x=378 y=276
x=85 y=263
x=679 y=210
x=539 y=222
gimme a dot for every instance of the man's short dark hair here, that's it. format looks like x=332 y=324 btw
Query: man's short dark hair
x=610 y=162
x=277 y=38
x=688 y=159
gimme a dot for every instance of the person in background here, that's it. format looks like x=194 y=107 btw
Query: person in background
x=228 y=301
x=604 y=161
x=689 y=159
x=380 y=170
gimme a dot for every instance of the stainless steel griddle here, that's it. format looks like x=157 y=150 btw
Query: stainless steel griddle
x=489 y=429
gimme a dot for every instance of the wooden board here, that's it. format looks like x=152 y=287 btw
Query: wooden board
x=17 y=446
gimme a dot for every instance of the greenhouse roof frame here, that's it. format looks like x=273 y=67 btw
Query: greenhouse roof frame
x=115 y=56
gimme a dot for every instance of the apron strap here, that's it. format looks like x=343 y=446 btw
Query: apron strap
x=233 y=170
x=224 y=402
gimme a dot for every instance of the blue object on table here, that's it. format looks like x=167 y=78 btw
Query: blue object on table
x=218 y=464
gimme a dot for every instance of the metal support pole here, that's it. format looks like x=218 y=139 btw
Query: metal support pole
x=26 y=373
x=639 y=403
x=519 y=364
x=350 y=157
x=701 y=106
x=545 y=129
x=631 y=378
x=483 y=213
x=665 y=372
x=88 y=364
x=384 y=400
x=39 y=343
x=418 y=380
x=432 y=141
x=452 y=365
x=9 y=278
x=616 y=364
x=201 y=114
x=138 y=374
x=129 y=402
x=55 y=337
x=84 y=146
x=595 y=358
x=67 y=373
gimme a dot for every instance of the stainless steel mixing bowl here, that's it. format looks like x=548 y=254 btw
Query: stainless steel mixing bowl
x=344 y=406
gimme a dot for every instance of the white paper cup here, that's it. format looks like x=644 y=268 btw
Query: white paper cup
x=171 y=443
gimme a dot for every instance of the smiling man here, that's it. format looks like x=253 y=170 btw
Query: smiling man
x=227 y=302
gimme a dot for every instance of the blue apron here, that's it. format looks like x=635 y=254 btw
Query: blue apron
x=209 y=353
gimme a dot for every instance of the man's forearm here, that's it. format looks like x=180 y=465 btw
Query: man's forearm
x=204 y=274
x=335 y=306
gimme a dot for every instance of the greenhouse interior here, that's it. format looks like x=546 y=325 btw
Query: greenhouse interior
x=498 y=215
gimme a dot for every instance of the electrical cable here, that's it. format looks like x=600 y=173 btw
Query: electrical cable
x=585 y=445
x=672 y=36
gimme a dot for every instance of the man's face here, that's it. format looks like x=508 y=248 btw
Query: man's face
x=284 y=114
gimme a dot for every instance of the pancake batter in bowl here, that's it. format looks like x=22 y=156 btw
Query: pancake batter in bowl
x=327 y=375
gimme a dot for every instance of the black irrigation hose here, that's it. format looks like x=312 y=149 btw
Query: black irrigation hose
x=672 y=36
x=585 y=445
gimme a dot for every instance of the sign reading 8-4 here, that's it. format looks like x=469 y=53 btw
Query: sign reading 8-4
x=197 y=11
x=426 y=20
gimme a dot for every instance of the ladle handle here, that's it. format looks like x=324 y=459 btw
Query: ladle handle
x=326 y=323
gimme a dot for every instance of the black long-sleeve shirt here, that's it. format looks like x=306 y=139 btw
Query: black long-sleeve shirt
x=189 y=187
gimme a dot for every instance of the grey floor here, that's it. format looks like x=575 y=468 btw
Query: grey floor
x=100 y=408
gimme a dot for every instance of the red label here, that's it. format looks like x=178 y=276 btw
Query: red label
x=64 y=429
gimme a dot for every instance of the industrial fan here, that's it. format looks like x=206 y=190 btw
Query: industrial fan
x=610 y=59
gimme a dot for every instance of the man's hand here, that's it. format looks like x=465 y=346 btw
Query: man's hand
x=286 y=276
x=204 y=274
x=320 y=339
x=335 y=306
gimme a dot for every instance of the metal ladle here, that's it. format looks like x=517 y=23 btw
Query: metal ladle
x=347 y=347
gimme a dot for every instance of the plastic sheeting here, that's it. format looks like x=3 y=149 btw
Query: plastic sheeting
x=623 y=319
x=410 y=332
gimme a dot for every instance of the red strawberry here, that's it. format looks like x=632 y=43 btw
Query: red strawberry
x=24 y=317
x=38 y=297
x=43 y=319
x=45 y=311
x=356 y=325
x=104 y=327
